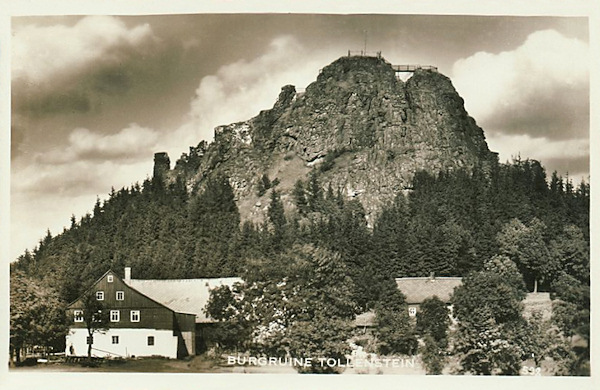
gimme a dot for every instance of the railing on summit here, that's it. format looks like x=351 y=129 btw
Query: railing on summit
x=363 y=53
x=412 y=68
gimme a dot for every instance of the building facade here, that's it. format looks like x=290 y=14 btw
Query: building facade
x=418 y=289
x=147 y=317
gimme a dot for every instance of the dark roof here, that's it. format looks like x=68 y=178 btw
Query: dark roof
x=75 y=303
x=417 y=289
x=182 y=295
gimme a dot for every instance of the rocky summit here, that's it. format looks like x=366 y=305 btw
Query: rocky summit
x=358 y=127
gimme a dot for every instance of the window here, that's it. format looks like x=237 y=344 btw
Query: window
x=78 y=315
x=150 y=340
x=134 y=316
x=412 y=311
x=115 y=339
x=120 y=295
x=100 y=295
x=97 y=315
x=109 y=278
x=115 y=316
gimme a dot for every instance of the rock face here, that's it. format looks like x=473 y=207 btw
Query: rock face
x=358 y=126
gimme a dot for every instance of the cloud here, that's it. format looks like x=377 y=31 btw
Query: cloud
x=572 y=156
x=577 y=168
x=77 y=178
x=69 y=178
x=132 y=143
x=541 y=88
x=65 y=101
x=45 y=196
x=51 y=211
x=16 y=138
x=89 y=164
x=43 y=53
x=540 y=148
x=239 y=90
x=47 y=189
x=62 y=69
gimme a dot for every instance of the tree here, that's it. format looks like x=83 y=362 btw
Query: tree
x=277 y=221
x=263 y=185
x=300 y=198
x=571 y=251
x=315 y=193
x=432 y=356
x=498 y=288
x=571 y=311
x=488 y=309
x=506 y=272
x=390 y=244
x=37 y=317
x=95 y=316
x=349 y=236
x=301 y=294
x=486 y=348
x=321 y=336
x=526 y=247
x=215 y=220
x=232 y=330
x=433 y=320
x=395 y=333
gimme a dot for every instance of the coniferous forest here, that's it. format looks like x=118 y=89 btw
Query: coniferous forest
x=454 y=223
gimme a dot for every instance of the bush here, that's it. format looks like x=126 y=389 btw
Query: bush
x=321 y=337
x=28 y=362
x=92 y=363
x=116 y=362
x=433 y=356
x=395 y=333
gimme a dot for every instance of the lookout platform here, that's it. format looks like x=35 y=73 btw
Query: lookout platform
x=397 y=68
x=412 y=68
x=364 y=53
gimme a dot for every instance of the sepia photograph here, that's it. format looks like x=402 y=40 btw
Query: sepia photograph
x=300 y=193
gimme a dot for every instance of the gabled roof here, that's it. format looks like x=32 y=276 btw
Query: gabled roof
x=71 y=304
x=182 y=295
x=417 y=290
x=78 y=304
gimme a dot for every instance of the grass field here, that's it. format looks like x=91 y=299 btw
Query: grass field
x=197 y=364
x=205 y=364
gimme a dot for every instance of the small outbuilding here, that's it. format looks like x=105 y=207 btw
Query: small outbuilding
x=366 y=322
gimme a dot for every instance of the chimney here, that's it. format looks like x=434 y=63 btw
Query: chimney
x=127 y=278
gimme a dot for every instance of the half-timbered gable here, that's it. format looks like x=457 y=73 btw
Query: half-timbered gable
x=135 y=310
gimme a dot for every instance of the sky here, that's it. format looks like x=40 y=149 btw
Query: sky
x=93 y=98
